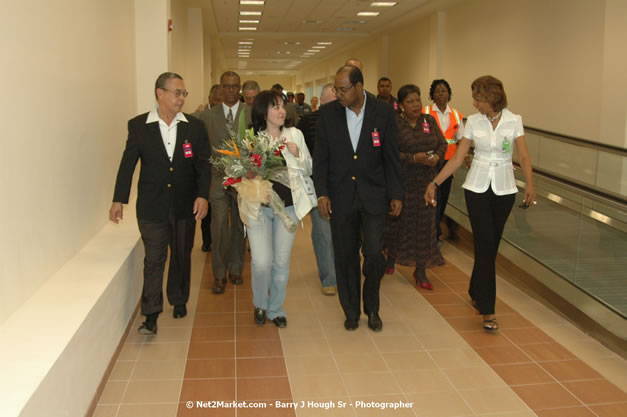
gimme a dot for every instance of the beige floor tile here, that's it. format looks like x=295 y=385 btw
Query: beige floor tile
x=300 y=331
x=106 y=411
x=357 y=362
x=423 y=380
x=484 y=376
x=397 y=343
x=436 y=341
x=334 y=329
x=130 y=352
x=166 y=320
x=153 y=391
x=392 y=328
x=317 y=387
x=174 y=369
x=122 y=370
x=456 y=358
x=590 y=349
x=148 y=410
x=439 y=404
x=172 y=334
x=352 y=344
x=298 y=304
x=316 y=408
x=382 y=406
x=310 y=365
x=614 y=369
x=434 y=324
x=370 y=383
x=527 y=413
x=493 y=400
x=408 y=361
x=113 y=392
x=134 y=336
x=305 y=347
x=164 y=351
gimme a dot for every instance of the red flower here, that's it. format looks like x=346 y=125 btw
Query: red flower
x=256 y=159
x=278 y=151
x=231 y=181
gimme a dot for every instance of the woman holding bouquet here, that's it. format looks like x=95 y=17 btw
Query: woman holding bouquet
x=270 y=240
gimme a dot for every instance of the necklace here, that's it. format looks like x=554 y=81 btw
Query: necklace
x=496 y=116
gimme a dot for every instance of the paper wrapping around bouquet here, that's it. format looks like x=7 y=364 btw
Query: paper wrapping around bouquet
x=252 y=193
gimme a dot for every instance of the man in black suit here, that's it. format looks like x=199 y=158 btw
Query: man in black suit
x=172 y=194
x=357 y=176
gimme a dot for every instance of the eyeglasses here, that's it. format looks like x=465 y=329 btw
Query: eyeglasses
x=177 y=93
x=342 y=90
x=231 y=86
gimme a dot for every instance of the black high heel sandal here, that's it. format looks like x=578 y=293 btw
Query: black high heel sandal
x=491 y=325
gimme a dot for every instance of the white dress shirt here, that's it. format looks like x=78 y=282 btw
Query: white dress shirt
x=233 y=109
x=354 y=123
x=492 y=165
x=445 y=120
x=168 y=133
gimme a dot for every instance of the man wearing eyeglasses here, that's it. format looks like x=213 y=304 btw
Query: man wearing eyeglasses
x=227 y=230
x=172 y=194
x=357 y=178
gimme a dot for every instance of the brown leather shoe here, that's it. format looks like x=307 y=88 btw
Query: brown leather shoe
x=235 y=279
x=218 y=286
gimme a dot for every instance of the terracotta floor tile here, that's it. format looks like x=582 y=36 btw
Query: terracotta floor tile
x=211 y=350
x=465 y=324
x=572 y=370
x=195 y=411
x=523 y=374
x=567 y=412
x=213 y=334
x=457 y=310
x=610 y=410
x=550 y=395
x=596 y=391
x=485 y=339
x=208 y=390
x=544 y=352
x=214 y=319
x=513 y=321
x=526 y=336
x=210 y=368
x=244 y=319
x=255 y=349
x=255 y=332
x=438 y=298
x=265 y=367
x=254 y=389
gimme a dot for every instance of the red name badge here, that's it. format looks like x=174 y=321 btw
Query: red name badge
x=187 y=150
x=425 y=127
x=376 y=140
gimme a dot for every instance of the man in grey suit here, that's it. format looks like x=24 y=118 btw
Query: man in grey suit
x=227 y=231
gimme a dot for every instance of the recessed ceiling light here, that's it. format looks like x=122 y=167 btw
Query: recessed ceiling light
x=249 y=13
x=247 y=28
x=318 y=47
x=325 y=43
x=366 y=13
x=249 y=21
x=384 y=3
x=252 y=2
x=245 y=46
x=313 y=50
x=245 y=42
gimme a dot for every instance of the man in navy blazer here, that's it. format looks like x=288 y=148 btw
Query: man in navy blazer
x=172 y=194
x=357 y=178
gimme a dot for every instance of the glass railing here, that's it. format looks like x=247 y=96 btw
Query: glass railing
x=579 y=234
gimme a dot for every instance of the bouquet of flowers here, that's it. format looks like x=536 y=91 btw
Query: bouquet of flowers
x=249 y=162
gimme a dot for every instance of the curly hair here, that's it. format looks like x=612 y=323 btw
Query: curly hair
x=491 y=90
x=445 y=83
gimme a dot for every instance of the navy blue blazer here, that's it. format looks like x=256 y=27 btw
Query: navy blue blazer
x=371 y=171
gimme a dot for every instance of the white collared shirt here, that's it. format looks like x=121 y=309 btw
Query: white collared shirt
x=445 y=120
x=491 y=164
x=226 y=108
x=354 y=123
x=168 y=133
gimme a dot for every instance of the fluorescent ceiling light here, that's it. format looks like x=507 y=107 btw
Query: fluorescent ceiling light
x=384 y=3
x=325 y=43
x=245 y=42
x=249 y=21
x=367 y=14
x=318 y=47
x=252 y=2
x=313 y=50
x=249 y=13
x=247 y=28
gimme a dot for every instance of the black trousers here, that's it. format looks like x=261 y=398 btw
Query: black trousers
x=488 y=213
x=178 y=234
x=355 y=230
x=205 y=228
x=443 y=192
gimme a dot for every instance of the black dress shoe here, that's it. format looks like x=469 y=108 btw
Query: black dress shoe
x=206 y=248
x=218 y=286
x=350 y=324
x=149 y=326
x=374 y=322
x=180 y=311
x=235 y=279
x=260 y=316
x=280 y=322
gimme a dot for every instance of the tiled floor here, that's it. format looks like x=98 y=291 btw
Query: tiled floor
x=431 y=354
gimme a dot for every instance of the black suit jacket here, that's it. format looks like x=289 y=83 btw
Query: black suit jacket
x=164 y=184
x=372 y=172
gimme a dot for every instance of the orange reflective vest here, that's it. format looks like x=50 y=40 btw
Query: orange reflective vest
x=455 y=118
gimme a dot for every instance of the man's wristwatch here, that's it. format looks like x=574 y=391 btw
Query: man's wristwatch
x=435 y=183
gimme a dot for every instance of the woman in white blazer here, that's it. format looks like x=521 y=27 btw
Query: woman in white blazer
x=490 y=186
x=270 y=241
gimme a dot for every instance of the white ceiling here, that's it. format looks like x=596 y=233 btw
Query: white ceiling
x=289 y=28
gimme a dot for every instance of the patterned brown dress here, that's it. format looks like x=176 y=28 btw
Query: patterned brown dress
x=411 y=238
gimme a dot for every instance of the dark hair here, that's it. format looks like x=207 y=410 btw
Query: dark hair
x=354 y=74
x=435 y=83
x=162 y=80
x=406 y=90
x=491 y=90
x=229 y=74
x=384 y=79
x=262 y=102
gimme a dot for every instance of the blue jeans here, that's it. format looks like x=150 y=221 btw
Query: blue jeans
x=270 y=250
x=323 y=248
